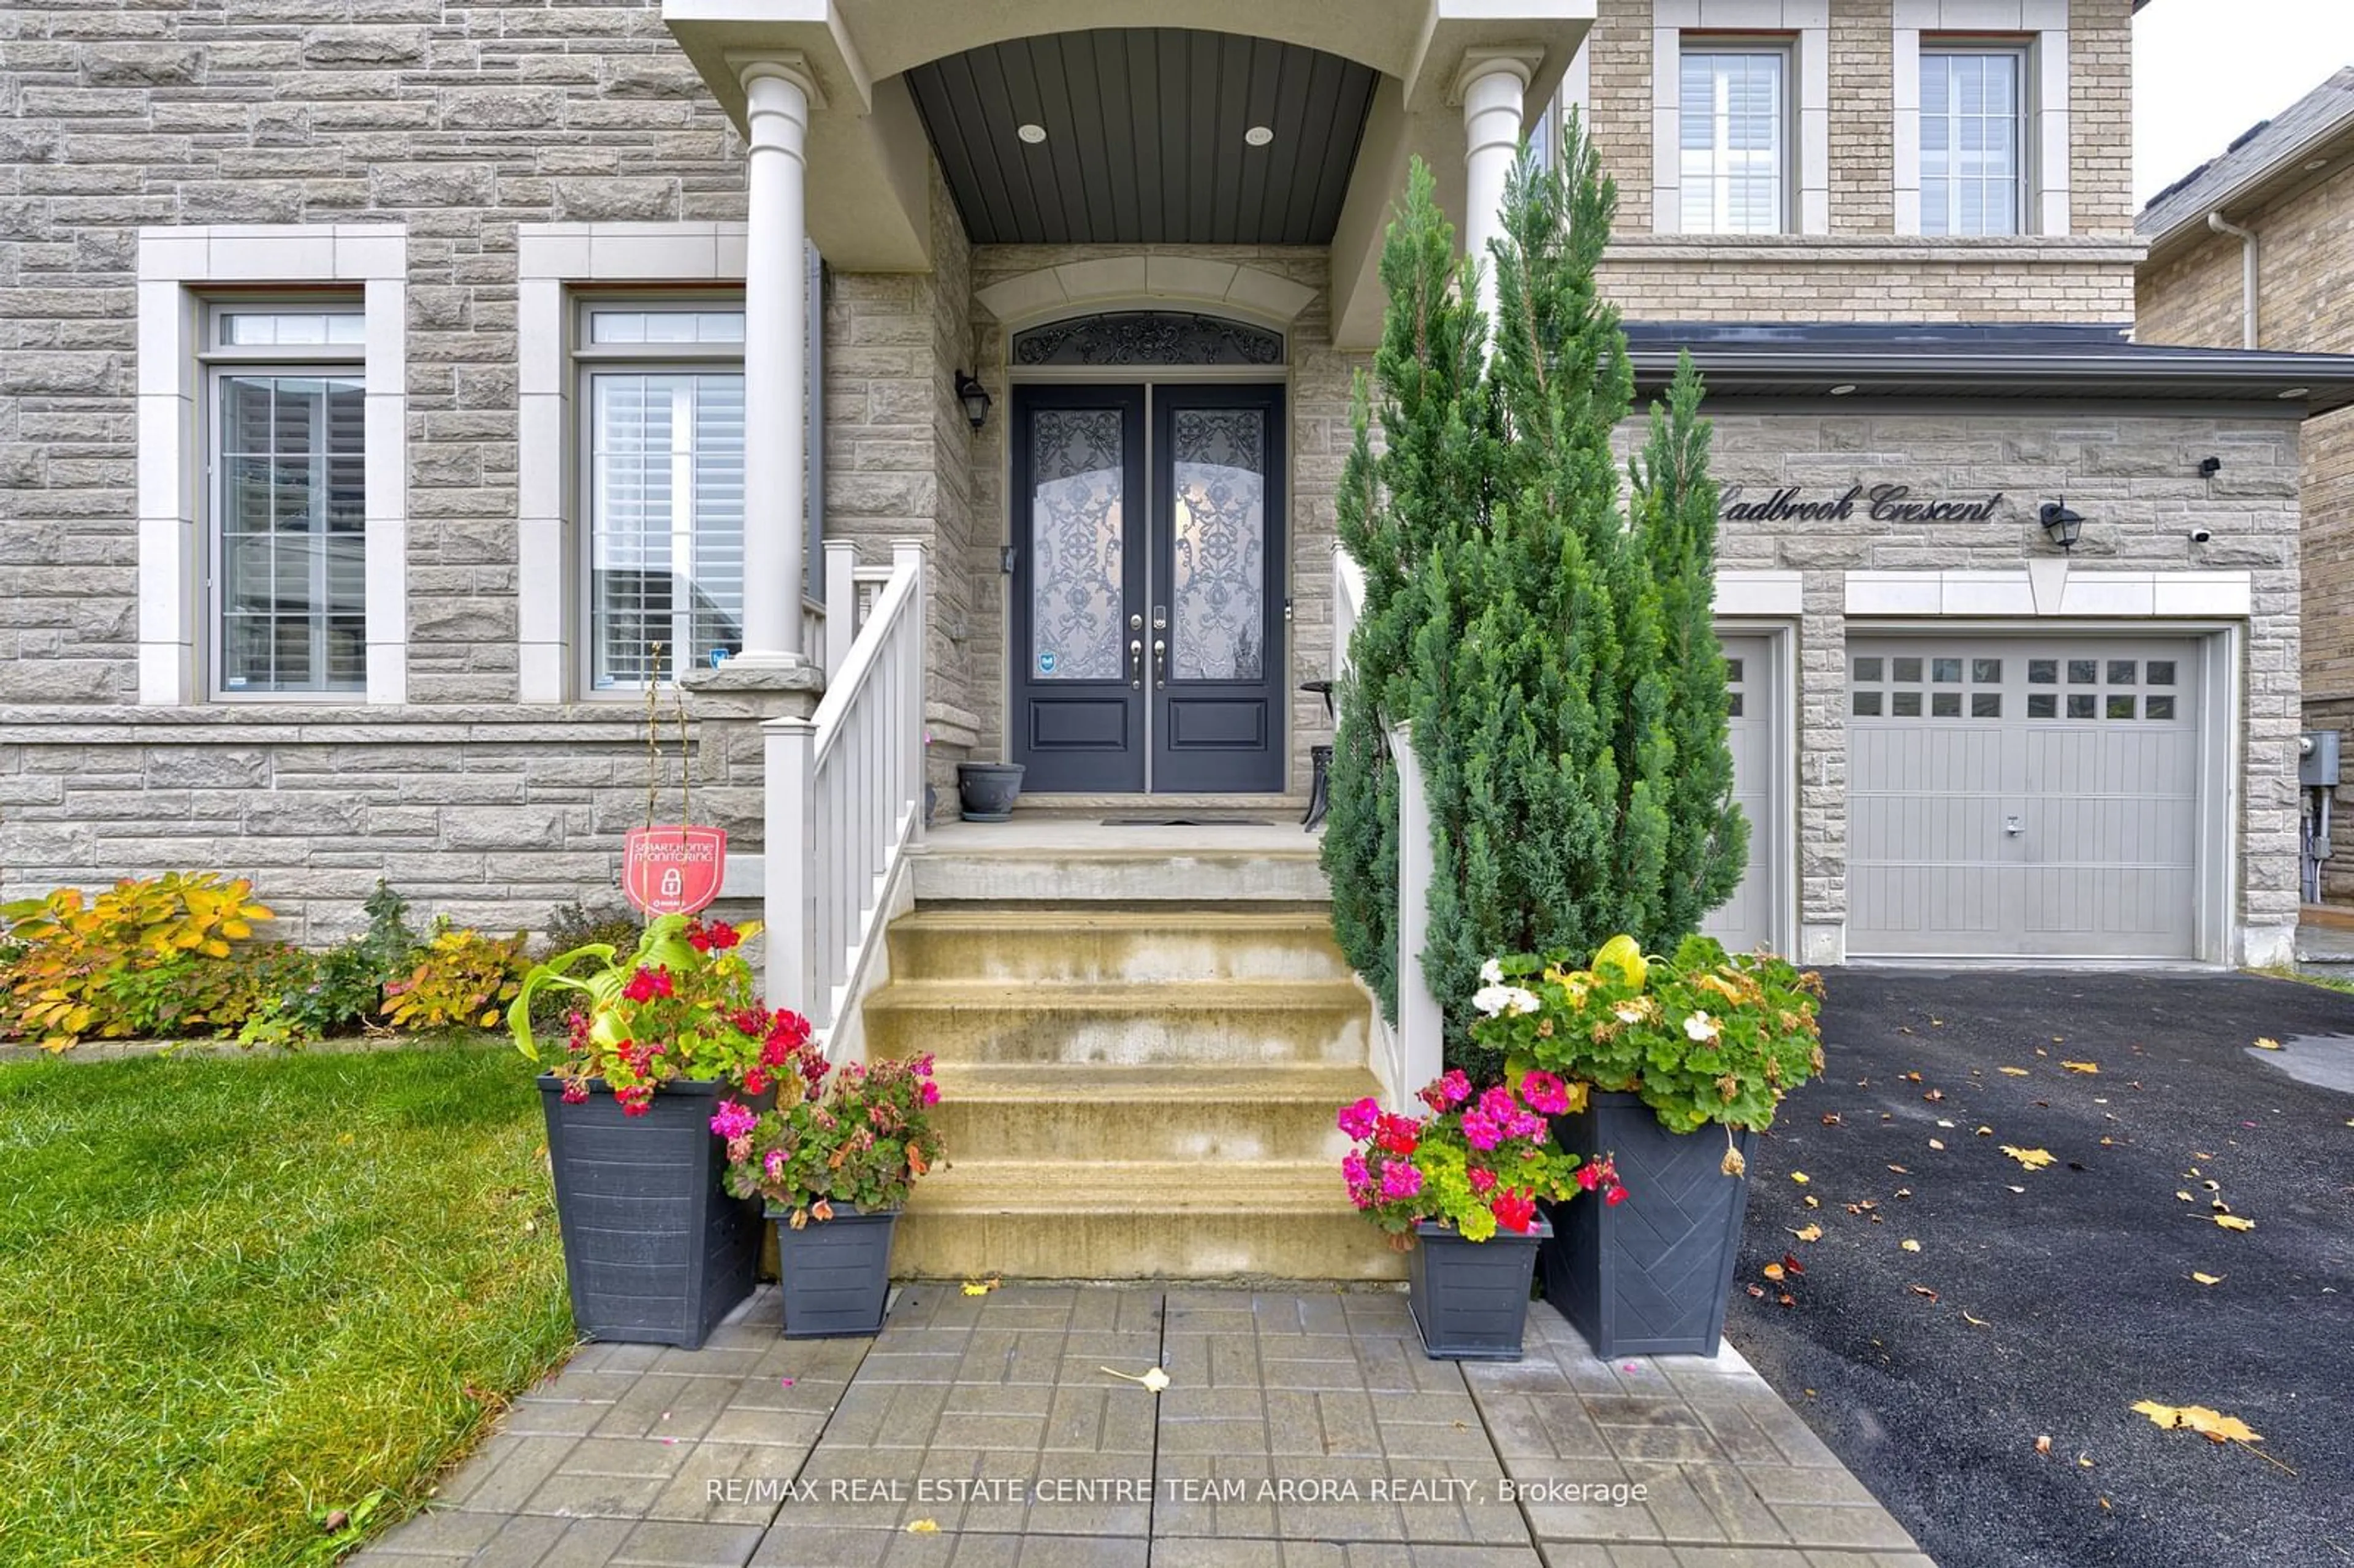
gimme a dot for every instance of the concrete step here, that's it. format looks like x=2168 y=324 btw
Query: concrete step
x=1136 y=1025
x=1138 y=1220
x=1090 y=944
x=1069 y=861
x=1198 y=1112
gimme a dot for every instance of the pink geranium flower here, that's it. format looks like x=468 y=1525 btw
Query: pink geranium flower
x=1401 y=1179
x=1545 y=1092
x=1480 y=1131
x=1456 y=1087
x=1482 y=1181
x=1359 y=1120
x=732 y=1122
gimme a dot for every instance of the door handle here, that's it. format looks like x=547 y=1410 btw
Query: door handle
x=1136 y=665
x=2013 y=827
x=1159 y=664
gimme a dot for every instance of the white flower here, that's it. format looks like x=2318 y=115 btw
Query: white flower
x=1493 y=999
x=1701 y=1027
x=1491 y=972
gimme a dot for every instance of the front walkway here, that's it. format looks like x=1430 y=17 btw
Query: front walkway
x=1302 y=1430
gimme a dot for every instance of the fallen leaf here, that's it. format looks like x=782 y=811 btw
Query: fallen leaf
x=1801 y=1177
x=1156 y=1379
x=2012 y=1072
x=1771 y=1271
x=1863 y=1208
x=1831 y=1118
x=784 y=1383
x=2268 y=1044
x=1945 y=1121
x=2082 y=1067
x=1986 y=1132
x=2033 y=1158
x=2018 y=1189
x=2233 y=1223
x=1758 y=1291
x=1790 y=1264
x=2200 y=1154
x=1910 y=1077
x=2043 y=1445
x=1900 y=1171
x=923 y=1527
x=1909 y=1244
x=1937 y=1143
x=1789 y=1299
x=1936 y=1023
x=1923 y=1290
x=1935 y=1094
x=2206 y=1278
x=1808 y=1233
x=1973 y=1322
x=2213 y=1425
x=1902 y=1192
x=2185 y=1196
x=2085 y=1461
x=1814 y=1203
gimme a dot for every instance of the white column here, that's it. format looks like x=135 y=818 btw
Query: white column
x=1493 y=85
x=777 y=94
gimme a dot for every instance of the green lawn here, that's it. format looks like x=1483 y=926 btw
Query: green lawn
x=237 y=1291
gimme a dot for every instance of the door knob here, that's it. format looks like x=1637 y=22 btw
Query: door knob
x=2014 y=826
x=1136 y=665
x=1159 y=664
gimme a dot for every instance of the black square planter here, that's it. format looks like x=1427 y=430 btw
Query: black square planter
x=836 y=1273
x=1652 y=1276
x=1471 y=1299
x=654 y=1250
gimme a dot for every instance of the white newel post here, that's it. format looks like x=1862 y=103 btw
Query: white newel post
x=841 y=603
x=1422 y=1029
x=1493 y=86
x=907 y=557
x=788 y=899
x=777 y=94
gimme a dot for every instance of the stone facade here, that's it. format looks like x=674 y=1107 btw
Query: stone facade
x=2134 y=478
x=2193 y=293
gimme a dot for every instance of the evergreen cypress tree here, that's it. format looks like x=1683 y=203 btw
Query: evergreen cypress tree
x=1553 y=652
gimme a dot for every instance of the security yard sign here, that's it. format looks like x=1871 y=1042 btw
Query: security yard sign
x=674 y=869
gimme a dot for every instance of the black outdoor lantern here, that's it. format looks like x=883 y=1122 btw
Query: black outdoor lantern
x=974 y=397
x=2064 y=526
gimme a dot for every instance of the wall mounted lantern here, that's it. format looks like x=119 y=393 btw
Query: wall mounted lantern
x=974 y=397
x=2064 y=526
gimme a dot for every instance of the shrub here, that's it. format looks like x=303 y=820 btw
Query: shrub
x=1702 y=1037
x=578 y=925
x=308 y=995
x=1551 y=647
x=88 y=967
x=1474 y=1161
x=861 y=1141
x=463 y=979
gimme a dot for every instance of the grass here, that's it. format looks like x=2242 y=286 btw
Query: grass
x=238 y=1294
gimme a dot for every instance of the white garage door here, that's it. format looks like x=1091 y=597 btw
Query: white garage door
x=2023 y=796
x=1746 y=921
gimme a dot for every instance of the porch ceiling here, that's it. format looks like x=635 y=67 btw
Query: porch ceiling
x=1145 y=137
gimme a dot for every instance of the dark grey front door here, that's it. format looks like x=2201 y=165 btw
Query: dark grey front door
x=1148 y=588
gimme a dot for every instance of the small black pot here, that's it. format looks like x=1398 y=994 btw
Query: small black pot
x=1650 y=1276
x=1471 y=1299
x=654 y=1250
x=986 y=791
x=836 y=1273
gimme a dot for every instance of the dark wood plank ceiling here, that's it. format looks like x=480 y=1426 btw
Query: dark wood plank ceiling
x=1144 y=137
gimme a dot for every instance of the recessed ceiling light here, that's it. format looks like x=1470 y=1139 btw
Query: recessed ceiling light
x=2315 y=162
x=1030 y=130
x=1843 y=388
x=1258 y=135
x=2297 y=392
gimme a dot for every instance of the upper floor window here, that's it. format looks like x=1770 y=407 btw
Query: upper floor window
x=662 y=397
x=1973 y=141
x=1733 y=139
x=287 y=408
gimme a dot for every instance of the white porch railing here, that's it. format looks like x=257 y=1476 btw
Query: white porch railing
x=1415 y=1049
x=845 y=789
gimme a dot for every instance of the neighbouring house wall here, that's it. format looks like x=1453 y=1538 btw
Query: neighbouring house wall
x=2135 y=481
x=1320 y=434
x=2195 y=295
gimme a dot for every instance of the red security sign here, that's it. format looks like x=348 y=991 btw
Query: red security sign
x=674 y=869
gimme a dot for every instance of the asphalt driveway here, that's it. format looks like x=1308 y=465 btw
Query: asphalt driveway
x=2063 y=1294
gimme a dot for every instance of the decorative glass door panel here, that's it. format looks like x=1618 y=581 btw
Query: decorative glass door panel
x=1146 y=599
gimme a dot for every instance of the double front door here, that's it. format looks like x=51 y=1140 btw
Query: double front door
x=1148 y=634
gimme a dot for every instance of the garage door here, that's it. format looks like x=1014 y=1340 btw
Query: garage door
x=2024 y=796
x=1746 y=921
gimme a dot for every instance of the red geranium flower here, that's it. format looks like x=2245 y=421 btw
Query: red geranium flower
x=1397 y=1135
x=1514 y=1211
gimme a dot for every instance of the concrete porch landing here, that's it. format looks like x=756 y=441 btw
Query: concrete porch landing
x=989 y=1417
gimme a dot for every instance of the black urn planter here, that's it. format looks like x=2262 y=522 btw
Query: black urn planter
x=986 y=791
x=1650 y=1276
x=654 y=1250
x=1471 y=1299
x=836 y=1273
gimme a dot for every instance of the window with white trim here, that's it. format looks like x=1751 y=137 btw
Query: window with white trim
x=662 y=486
x=1733 y=138
x=1973 y=140
x=286 y=497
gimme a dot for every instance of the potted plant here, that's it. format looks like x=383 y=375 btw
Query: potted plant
x=1655 y=1050
x=654 y=1250
x=986 y=791
x=834 y=1164
x=1458 y=1190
